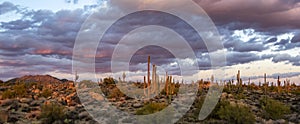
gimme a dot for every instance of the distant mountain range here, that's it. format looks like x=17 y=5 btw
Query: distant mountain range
x=37 y=79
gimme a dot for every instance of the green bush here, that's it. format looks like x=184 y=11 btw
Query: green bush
x=296 y=91
x=8 y=94
x=151 y=108
x=53 y=112
x=46 y=92
x=20 y=90
x=273 y=109
x=235 y=113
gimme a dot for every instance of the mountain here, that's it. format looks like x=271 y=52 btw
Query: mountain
x=37 y=79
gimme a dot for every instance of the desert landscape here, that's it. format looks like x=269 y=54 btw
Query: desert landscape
x=46 y=99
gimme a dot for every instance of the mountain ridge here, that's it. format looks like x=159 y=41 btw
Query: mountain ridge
x=37 y=79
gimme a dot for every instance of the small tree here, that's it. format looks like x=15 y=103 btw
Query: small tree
x=53 y=112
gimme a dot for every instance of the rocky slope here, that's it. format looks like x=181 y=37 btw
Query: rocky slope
x=44 y=90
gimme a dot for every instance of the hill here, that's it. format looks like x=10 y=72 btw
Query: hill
x=37 y=79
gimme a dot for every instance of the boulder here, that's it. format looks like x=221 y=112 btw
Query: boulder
x=137 y=105
x=96 y=96
x=83 y=115
x=25 y=100
x=6 y=102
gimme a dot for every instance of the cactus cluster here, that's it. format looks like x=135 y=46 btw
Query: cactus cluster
x=151 y=87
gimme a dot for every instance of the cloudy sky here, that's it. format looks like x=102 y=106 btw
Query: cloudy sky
x=259 y=36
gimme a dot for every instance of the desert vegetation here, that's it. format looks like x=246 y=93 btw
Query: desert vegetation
x=242 y=101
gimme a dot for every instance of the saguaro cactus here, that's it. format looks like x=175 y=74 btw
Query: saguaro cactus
x=212 y=79
x=124 y=76
x=239 y=80
x=287 y=87
x=76 y=76
x=145 y=86
x=279 y=84
x=265 y=83
x=167 y=84
x=154 y=80
x=149 y=81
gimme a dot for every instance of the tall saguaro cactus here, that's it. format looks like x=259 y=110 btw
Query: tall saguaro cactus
x=149 y=81
x=76 y=76
x=167 y=84
x=145 y=86
x=155 y=80
x=265 y=83
x=239 y=80
x=279 y=84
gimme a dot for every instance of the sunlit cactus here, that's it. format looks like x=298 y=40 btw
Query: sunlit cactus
x=167 y=84
x=279 y=84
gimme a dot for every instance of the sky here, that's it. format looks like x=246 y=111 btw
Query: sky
x=259 y=36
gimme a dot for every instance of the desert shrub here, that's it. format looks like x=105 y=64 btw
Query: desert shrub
x=31 y=84
x=115 y=93
x=235 y=113
x=20 y=90
x=46 y=92
x=108 y=81
x=8 y=94
x=239 y=96
x=53 y=112
x=88 y=83
x=157 y=118
x=151 y=108
x=296 y=91
x=273 y=109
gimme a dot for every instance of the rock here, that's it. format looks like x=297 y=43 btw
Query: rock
x=3 y=116
x=96 y=96
x=269 y=122
x=6 y=102
x=36 y=103
x=33 y=114
x=137 y=105
x=230 y=96
x=281 y=121
x=112 y=100
x=24 y=107
x=15 y=116
x=83 y=115
x=25 y=100
x=293 y=118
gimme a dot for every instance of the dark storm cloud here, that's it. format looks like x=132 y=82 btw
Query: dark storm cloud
x=286 y=57
x=266 y=14
x=296 y=39
x=7 y=7
x=50 y=36
x=272 y=40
